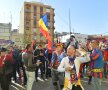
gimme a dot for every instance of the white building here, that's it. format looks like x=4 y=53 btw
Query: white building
x=79 y=37
x=16 y=37
x=5 y=33
x=5 y=29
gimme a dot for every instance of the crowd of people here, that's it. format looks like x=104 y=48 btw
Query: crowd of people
x=64 y=64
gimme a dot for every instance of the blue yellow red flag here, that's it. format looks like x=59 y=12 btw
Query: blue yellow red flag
x=43 y=24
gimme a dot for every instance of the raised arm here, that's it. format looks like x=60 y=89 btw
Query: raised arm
x=85 y=58
x=61 y=67
x=94 y=55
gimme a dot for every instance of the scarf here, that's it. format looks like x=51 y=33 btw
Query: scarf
x=73 y=75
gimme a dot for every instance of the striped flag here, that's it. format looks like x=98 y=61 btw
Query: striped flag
x=43 y=23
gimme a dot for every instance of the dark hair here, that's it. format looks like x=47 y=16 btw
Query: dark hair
x=3 y=50
x=72 y=36
x=28 y=46
x=40 y=45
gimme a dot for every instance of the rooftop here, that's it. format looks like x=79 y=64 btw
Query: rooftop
x=35 y=2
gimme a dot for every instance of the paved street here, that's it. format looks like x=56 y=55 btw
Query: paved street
x=48 y=86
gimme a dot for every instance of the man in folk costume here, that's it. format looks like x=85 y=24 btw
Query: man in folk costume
x=97 y=66
x=71 y=65
x=57 y=56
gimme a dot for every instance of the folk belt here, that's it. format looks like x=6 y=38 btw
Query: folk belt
x=98 y=70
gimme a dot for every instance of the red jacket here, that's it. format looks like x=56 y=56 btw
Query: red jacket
x=105 y=53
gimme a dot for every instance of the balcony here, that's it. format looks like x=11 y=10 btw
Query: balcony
x=34 y=34
x=27 y=10
x=27 y=28
x=27 y=24
x=27 y=18
x=53 y=27
x=54 y=14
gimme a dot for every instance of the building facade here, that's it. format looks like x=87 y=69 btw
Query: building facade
x=29 y=18
x=5 y=29
x=5 y=33
x=17 y=38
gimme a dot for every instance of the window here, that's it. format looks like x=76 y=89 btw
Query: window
x=41 y=15
x=35 y=8
x=6 y=30
x=27 y=24
x=27 y=28
x=27 y=11
x=48 y=10
x=34 y=30
x=34 y=22
x=48 y=16
x=34 y=37
x=35 y=15
x=41 y=9
x=27 y=17
x=2 y=30
x=34 y=33
x=48 y=24
x=41 y=36
x=17 y=39
x=27 y=8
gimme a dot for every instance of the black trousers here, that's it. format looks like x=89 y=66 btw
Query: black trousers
x=16 y=69
x=21 y=66
x=5 y=81
x=105 y=70
x=90 y=79
x=41 y=67
x=24 y=73
x=78 y=87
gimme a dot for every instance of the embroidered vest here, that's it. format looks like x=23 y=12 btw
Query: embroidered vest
x=73 y=74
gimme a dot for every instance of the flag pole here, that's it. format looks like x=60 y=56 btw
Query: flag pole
x=69 y=23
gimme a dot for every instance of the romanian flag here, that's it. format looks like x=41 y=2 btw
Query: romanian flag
x=43 y=23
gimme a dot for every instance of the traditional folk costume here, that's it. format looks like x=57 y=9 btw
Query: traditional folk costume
x=97 y=68
x=72 y=78
x=57 y=76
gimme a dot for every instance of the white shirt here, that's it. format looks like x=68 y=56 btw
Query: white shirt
x=77 y=62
